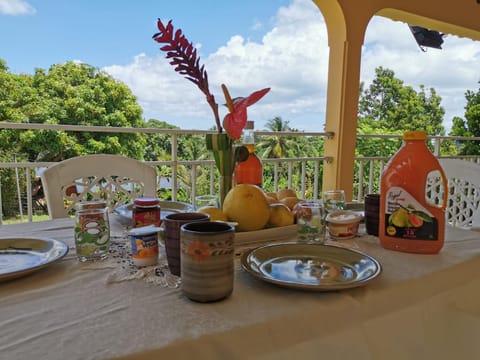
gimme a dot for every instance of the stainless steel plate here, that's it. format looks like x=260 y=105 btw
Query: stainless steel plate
x=21 y=256
x=310 y=266
x=167 y=207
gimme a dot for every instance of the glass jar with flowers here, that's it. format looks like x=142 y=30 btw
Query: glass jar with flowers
x=183 y=56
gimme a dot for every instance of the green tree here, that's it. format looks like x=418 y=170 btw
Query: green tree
x=389 y=105
x=70 y=93
x=471 y=125
x=74 y=94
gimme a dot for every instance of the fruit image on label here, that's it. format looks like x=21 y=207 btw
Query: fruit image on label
x=406 y=218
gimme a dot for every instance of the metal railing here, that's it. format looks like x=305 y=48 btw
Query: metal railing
x=285 y=170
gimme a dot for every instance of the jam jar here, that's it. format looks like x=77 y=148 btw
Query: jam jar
x=146 y=211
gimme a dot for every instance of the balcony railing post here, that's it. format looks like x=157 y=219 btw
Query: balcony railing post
x=174 y=166
x=437 y=143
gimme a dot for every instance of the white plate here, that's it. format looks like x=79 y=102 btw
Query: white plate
x=166 y=207
x=21 y=256
x=310 y=266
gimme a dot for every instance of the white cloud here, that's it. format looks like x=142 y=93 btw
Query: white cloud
x=16 y=7
x=292 y=59
x=286 y=60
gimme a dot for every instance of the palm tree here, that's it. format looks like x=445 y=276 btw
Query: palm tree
x=276 y=146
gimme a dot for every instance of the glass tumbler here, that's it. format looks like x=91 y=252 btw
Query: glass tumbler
x=310 y=222
x=334 y=200
x=92 y=231
x=206 y=200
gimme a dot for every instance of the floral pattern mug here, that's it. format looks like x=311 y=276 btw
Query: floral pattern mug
x=207 y=260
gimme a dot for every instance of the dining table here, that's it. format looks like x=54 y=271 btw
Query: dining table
x=419 y=307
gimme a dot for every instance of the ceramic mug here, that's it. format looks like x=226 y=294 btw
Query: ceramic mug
x=207 y=260
x=372 y=213
x=172 y=224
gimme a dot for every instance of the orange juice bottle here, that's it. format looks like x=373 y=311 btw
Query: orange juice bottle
x=249 y=171
x=409 y=222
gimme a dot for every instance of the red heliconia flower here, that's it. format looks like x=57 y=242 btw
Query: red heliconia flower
x=183 y=56
x=235 y=121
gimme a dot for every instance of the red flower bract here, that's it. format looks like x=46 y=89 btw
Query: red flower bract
x=235 y=121
x=183 y=56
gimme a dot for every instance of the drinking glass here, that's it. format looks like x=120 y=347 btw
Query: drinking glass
x=311 y=222
x=334 y=200
x=92 y=231
x=206 y=200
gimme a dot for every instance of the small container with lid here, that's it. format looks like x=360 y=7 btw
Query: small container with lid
x=146 y=211
x=144 y=242
x=92 y=230
x=343 y=224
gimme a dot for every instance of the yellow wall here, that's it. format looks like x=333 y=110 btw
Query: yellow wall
x=346 y=22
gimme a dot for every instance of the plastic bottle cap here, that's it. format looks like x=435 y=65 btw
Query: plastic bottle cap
x=415 y=135
x=249 y=125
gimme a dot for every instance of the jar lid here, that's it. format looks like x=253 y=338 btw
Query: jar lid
x=146 y=201
x=343 y=217
x=97 y=204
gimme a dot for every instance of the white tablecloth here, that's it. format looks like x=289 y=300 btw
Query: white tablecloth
x=421 y=307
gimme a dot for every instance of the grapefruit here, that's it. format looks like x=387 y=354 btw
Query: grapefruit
x=247 y=205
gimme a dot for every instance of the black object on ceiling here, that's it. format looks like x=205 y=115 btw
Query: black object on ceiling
x=426 y=38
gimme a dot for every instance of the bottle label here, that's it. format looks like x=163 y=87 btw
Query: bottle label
x=406 y=218
x=146 y=216
x=144 y=245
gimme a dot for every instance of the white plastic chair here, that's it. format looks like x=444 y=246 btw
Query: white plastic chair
x=463 y=193
x=113 y=178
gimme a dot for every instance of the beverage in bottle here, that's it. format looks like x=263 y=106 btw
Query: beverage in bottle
x=409 y=221
x=249 y=171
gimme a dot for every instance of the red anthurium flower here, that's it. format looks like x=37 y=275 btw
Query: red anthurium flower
x=235 y=121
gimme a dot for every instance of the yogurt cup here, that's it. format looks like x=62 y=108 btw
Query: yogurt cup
x=343 y=224
x=144 y=242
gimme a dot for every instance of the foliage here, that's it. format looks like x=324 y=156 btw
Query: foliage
x=72 y=94
x=79 y=94
x=389 y=105
x=471 y=125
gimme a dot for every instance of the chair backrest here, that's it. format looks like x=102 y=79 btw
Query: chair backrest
x=463 y=192
x=113 y=178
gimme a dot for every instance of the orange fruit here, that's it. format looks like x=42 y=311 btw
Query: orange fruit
x=283 y=193
x=280 y=215
x=272 y=195
x=215 y=213
x=271 y=200
x=290 y=201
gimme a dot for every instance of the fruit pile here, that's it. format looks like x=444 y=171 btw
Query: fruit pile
x=253 y=209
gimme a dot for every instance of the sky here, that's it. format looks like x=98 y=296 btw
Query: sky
x=247 y=45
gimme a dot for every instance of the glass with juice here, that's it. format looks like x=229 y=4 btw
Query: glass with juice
x=409 y=222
